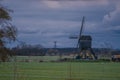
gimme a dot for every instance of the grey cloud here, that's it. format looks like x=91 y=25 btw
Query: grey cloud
x=116 y=31
x=43 y=22
x=113 y=16
x=28 y=32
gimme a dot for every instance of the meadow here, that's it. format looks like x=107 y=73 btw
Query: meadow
x=59 y=71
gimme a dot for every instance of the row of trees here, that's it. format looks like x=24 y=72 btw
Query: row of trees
x=8 y=33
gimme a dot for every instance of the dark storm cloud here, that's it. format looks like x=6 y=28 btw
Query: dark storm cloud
x=28 y=32
x=116 y=32
x=44 y=21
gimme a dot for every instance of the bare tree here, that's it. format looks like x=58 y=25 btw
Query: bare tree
x=7 y=33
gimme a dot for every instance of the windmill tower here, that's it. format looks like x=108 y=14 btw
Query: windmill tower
x=84 y=45
x=55 y=44
x=53 y=51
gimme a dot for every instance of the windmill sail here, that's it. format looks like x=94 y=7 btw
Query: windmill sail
x=78 y=44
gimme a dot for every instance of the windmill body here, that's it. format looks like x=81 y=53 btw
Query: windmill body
x=85 y=47
x=85 y=42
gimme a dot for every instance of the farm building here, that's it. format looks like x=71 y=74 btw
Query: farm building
x=116 y=57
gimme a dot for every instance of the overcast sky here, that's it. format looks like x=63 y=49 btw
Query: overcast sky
x=45 y=21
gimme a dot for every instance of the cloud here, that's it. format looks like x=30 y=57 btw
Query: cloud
x=113 y=17
x=52 y=4
x=27 y=31
x=44 y=21
x=74 y=4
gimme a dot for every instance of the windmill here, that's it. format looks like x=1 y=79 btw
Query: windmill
x=84 y=45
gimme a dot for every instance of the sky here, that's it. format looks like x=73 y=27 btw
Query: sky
x=45 y=21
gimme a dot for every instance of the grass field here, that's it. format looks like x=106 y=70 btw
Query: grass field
x=60 y=71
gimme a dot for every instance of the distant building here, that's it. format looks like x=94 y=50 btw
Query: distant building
x=116 y=57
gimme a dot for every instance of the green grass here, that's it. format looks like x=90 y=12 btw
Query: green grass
x=61 y=71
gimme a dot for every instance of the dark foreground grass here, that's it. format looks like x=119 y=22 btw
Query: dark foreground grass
x=60 y=71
